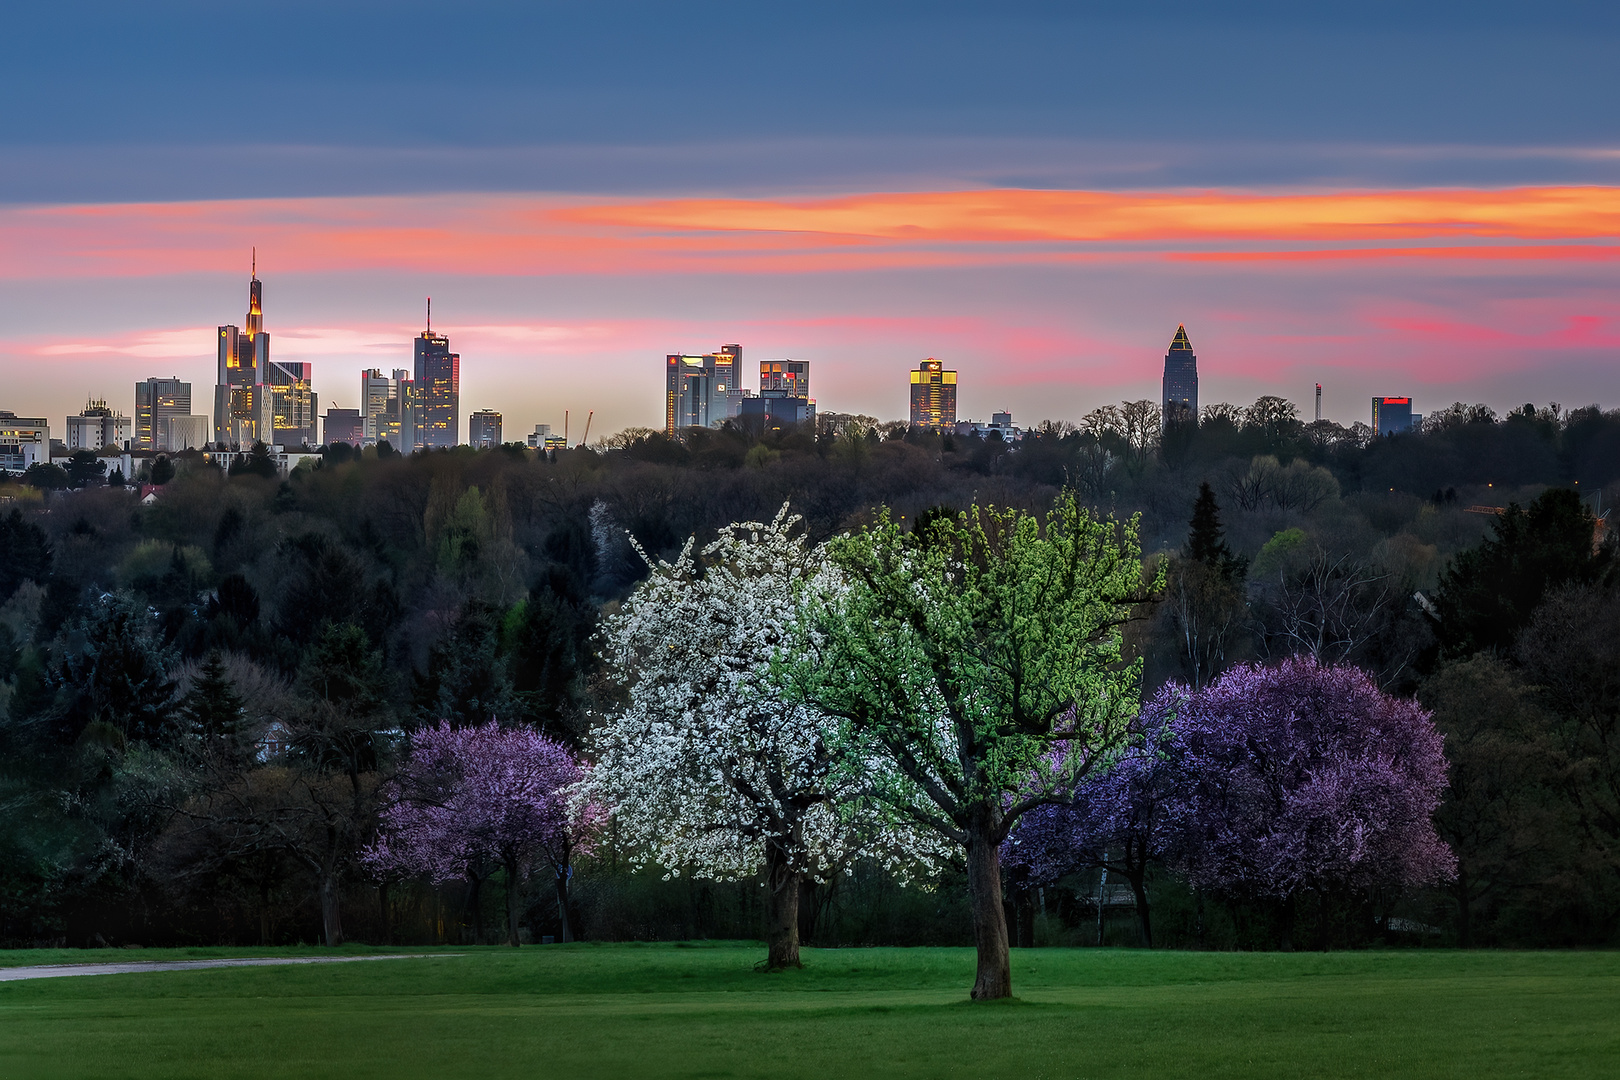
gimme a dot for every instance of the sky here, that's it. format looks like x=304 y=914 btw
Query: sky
x=1384 y=198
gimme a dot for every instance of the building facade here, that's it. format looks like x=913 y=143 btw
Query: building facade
x=255 y=398
x=1391 y=415
x=1179 y=402
x=24 y=441
x=99 y=427
x=484 y=429
x=437 y=393
x=933 y=396
x=342 y=426
x=156 y=401
x=784 y=395
x=701 y=391
x=185 y=433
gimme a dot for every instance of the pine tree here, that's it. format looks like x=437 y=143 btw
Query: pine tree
x=1206 y=539
x=213 y=709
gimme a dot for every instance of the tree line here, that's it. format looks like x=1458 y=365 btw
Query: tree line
x=213 y=704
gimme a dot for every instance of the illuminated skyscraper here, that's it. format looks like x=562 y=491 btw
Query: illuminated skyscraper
x=1180 y=401
x=156 y=400
x=255 y=399
x=933 y=395
x=438 y=390
x=1391 y=415
x=701 y=391
x=484 y=429
x=784 y=395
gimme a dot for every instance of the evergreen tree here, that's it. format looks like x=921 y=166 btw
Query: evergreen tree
x=25 y=554
x=1206 y=541
x=1489 y=592
x=116 y=671
x=213 y=710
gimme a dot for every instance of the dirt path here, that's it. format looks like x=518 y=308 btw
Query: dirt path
x=57 y=971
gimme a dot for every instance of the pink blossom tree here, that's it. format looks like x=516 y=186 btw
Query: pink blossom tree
x=469 y=800
x=1305 y=777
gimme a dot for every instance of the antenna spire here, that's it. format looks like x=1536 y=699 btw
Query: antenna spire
x=430 y=315
x=255 y=261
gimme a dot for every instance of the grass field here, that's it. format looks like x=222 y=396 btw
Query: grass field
x=584 y=1011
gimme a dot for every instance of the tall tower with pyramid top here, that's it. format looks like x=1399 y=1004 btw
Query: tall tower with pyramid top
x=1180 y=403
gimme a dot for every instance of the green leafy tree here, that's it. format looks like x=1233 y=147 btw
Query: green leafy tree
x=256 y=462
x=84 y=468
x=47 y=477
x=984 y=659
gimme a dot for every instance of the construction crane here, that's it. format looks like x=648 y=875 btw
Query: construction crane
x=587 y=436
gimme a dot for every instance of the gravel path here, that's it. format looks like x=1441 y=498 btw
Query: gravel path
x=57 y=971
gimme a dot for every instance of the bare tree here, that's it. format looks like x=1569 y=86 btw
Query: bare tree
x=1333 y=609
x=1140 y=424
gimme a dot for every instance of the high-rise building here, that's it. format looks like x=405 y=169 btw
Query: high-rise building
x=99 y=427
x=185 y=433
x=784 y=395
x=24 y=441
x=438 y=389
x=293 y=404
x=1391 y=415
x=1180 y=398
x=256 y=399
x=701 y=391
x=377 y=393
x=342 y=426
x=407 y=404
x=156 y=400
x=933 y=395
x=484 y=429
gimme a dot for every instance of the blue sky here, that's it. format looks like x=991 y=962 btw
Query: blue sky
x=191 y=104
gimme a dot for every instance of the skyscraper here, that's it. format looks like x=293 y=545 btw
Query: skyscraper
x=784 y=395
x=933 y=395
x=1391 y=415
x=293 y=404
x=484 y=429
x=1180 y=399
x=438 y=389
x=701 y=391
x=255 y=399
x=156 y=400
x=377 y=391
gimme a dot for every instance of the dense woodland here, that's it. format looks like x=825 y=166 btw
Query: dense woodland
x=204 y=696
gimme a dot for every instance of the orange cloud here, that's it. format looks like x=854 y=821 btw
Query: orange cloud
x=533 y=235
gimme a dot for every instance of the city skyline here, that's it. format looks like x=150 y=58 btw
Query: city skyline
x=1038 y=219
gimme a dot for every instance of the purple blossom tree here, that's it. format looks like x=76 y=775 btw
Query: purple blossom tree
x=1121 y=818
x=1304 y=777
x=469 y=800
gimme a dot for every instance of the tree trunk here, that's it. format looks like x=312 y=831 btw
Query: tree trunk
x=811 y=896
x=994 y=978
x=474 y=905
x=1138 y=882
x=1286 y=923
x=382 y=912
x=512 y=903
x=1465 y=927
x=331 y=916
x=1023 y=908
x=781 y=910
x=562 y=902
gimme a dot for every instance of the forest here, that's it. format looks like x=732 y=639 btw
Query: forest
x=211 y=700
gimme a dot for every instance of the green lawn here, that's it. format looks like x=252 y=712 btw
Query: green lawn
x=582 y=1011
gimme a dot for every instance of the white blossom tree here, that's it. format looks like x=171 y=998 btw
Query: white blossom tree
x=707 y=769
